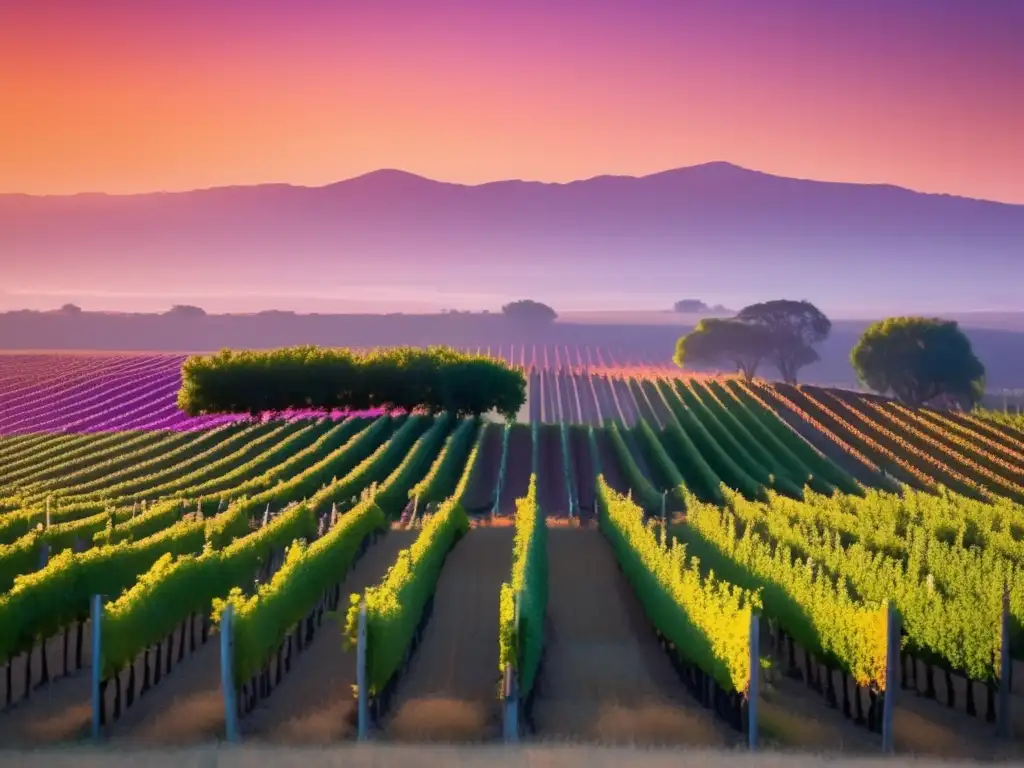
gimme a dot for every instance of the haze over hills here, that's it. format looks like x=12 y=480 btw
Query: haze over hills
x=390 y=240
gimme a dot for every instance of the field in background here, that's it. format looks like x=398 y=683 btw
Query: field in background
x=118 y=452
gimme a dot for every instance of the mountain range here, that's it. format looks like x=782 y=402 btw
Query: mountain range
x=715 y=230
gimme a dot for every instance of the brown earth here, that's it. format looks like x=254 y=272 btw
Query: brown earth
x=517 y=470
x=479 y=496
x=551 y=491
x=58 y=712
x=314 y=702
x=605 y=677
x=440 y=756
x=583 y=472
x=450 y=692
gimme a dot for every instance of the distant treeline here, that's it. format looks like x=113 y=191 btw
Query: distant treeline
x=436 y=379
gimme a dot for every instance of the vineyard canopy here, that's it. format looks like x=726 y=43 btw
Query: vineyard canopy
x=314 y=378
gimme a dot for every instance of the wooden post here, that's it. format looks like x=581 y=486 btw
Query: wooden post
x=47 y=513
x=227 y=673
x=266 y=515
x=362 y=685
x=97 y=656
x=511 y=723
x=1003 y=728
x=753 y=687
x=664 y=506
x=892 y=673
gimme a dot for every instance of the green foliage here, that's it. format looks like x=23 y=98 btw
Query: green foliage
x=662 y=467
x=919 y=359
x=262 y=621
x=794 y=327
x=42 y=603
x=707 y=620
x=645 y=493
x=716 y=342
x=444 y=474
x=817 y=610
x=395 y=606
x=522 y=643
x=172 y=589
x=436 y=379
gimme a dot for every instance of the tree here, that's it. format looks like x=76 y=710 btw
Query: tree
x=919 y=359
x=794 y=327
x=186 y=310
x=529 y=312
x=690 y=306
x=716 y=341
x=71 y=309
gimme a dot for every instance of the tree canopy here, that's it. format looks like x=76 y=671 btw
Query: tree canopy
x=186 y=310
x=919 y=359
x=794 y=326
x=693 y=306
x=529 y=312
x=436 y=378
x=717 y=342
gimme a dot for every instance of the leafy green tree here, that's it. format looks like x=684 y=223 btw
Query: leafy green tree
x=919 y=359
x=794 y=327
x=530 y=313
x=717 y=342
x=402 y=378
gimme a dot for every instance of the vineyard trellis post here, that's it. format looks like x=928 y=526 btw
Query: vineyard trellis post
x=97 y=655
x=511 y=682
x=892 y=669
x=753 y=686
x=362 y=685
x=1003 y=728
x=227 y=675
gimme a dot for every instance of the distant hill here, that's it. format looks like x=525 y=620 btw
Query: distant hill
x=713 y=229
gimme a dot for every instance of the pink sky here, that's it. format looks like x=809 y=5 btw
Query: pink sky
x=121 y=96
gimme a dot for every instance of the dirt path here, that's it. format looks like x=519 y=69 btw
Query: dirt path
x=450 y=692
x=605 y=677
x=517 y=472
x=187 y=707
x=583 y=472
x=314 y=703
x=551 y=491
x=61 y=711
x=480 y=493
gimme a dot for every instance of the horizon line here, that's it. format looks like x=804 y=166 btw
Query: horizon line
x=420 y=177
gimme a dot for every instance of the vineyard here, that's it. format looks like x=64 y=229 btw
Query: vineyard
x=641 y=556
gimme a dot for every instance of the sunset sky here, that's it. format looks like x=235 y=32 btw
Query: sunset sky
x=141 y=95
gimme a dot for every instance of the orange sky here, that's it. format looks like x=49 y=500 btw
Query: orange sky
x=114 y=96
